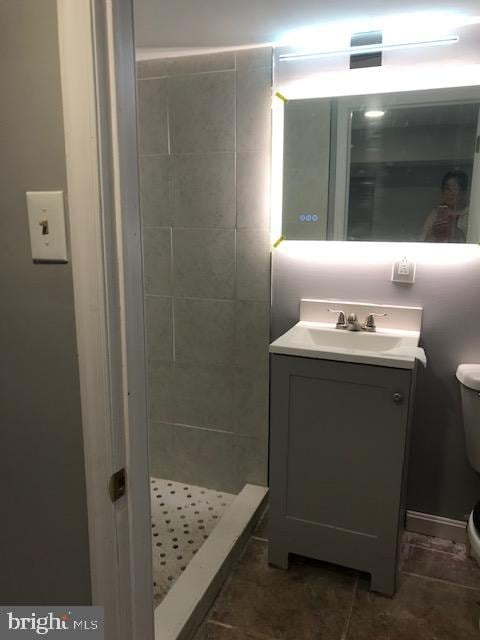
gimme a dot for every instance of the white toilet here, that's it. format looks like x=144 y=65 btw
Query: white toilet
x=469 y=377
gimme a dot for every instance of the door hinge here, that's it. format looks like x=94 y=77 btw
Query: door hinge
x=117 y=485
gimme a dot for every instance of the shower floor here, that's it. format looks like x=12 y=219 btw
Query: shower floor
x=183 y=516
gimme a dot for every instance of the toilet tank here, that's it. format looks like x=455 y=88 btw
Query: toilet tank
x=469 y=377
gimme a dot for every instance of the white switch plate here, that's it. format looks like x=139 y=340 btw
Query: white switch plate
x=46 y=221
x=403 y=270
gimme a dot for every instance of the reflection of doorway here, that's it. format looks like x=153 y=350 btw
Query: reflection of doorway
x=397 y=162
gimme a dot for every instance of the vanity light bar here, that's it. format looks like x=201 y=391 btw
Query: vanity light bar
x=371 y=48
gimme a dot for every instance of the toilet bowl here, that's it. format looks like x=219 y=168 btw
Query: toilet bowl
x=469 y=377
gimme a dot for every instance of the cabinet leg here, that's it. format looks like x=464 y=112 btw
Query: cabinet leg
x=384 y=581
x=277 y=556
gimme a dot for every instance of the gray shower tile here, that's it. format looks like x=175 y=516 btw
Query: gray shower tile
x=202 y=111
x=253 y=190
x=154 y=68
x=251 y=401
x=251 y=461
x=256 y=57
x=253 y=265
x=204 y=396
x=204 y=263
x=159 y=325
x=152 y=116
x=205 y=190
x=161 y=449
x=204 y=331
x=254 y=97
x=157 y=253
x=155 y=178
x=252 y=333
x=160 y=394
x=205 y=458
x=223 y=61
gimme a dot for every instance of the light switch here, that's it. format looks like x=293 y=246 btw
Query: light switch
x=46 y=221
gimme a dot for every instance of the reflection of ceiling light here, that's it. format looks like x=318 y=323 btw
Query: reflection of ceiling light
x=374 y=113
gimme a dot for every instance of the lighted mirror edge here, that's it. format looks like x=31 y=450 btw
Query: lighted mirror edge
x=344 y=252
x=381 y=80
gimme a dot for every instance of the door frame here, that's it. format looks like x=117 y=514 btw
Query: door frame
x=97 y=60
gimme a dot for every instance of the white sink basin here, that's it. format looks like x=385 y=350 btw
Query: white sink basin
x=386 y=347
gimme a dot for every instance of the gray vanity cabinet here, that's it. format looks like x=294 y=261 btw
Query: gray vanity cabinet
x=338 y=442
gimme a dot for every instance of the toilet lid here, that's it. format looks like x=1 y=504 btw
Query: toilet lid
x=469 y=375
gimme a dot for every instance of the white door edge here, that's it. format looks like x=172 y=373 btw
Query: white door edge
x=98 y=93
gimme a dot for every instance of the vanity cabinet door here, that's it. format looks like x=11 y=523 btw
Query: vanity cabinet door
x=337 y=448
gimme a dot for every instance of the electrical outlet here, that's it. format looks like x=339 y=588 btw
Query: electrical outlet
x=403 y=271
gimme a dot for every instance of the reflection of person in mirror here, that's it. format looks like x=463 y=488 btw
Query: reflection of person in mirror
x=448 y=221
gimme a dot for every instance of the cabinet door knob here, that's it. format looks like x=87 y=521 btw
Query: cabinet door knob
x=397 y=397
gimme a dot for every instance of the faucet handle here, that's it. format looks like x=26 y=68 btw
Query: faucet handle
x=370 y=321
x=341 y=322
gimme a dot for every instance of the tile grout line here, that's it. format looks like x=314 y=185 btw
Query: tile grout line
x=452 y=584
x=420 y=546
x=254 y=634
x=258 y=538
x=346 y=627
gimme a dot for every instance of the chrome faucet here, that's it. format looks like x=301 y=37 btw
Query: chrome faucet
x=352 y=323
x=370 y=321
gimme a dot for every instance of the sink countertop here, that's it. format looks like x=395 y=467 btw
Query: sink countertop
x=385 y=347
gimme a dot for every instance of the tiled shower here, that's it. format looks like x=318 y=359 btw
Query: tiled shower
x=205 y=132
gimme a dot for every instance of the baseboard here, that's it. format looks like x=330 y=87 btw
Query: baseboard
x=186 y=604
x=455 y=530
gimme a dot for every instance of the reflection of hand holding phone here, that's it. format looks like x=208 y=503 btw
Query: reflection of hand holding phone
x=442 y=223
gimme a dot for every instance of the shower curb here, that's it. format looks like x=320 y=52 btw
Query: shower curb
x=184 y=607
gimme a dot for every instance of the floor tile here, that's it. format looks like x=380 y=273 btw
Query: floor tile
x=212 y=631
x=441 y=565
x=310 y=601
x=422 y=609
x=428 y=542
x=261 y=530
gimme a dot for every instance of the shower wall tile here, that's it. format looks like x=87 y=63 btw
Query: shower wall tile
x=155 y=179
x=252 y=333
x=205 y=458
x=202 y=112
x=161 y=445
x=223 y=61
x=253 y=190
x=251 y=398
x=253 y=99
x=204 y=331
x=251 y=58
x=252 y=460
x=152 y=116
x=205 y=190
x=204 y=263
x=159 y=326
x=152 y=68
x=157 y=256
x=161 y=393
x=204 y=396
x=205 y=174
x=253 y=265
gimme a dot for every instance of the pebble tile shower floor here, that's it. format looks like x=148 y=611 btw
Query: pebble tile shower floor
x=183 y=516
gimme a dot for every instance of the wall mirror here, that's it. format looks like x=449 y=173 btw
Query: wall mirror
x=398 y=167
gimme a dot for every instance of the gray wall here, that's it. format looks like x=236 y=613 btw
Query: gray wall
x=43 y=535
x=440 y=480
x=204 y=158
